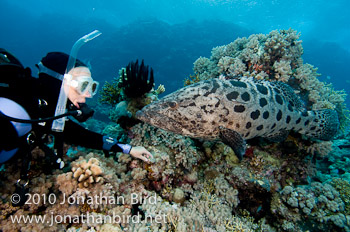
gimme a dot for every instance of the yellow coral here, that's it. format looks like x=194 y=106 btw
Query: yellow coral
x=192 y=79
x=160 y=89
x=343 y=187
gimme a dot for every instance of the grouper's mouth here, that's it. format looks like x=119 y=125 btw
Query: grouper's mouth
x=159 y=120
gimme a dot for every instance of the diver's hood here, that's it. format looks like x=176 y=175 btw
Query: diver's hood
x=51 y=70
x=54 y=64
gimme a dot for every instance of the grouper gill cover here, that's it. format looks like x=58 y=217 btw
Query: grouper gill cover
x=236 y=110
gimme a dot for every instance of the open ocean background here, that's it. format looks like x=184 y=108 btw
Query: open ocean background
x=170 y=35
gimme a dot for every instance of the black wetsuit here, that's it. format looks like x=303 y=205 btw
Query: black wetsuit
x=38 y=96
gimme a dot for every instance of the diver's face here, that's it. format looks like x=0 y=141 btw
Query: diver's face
x=73 y=95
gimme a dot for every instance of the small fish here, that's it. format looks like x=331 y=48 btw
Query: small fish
x=237 y=110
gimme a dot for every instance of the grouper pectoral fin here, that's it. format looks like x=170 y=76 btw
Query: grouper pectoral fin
x=234 y=140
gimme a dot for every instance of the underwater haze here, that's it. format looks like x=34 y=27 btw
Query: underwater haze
x=171 y=35
x=251 y=134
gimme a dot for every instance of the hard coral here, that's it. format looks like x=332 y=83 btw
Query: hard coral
x=87 y=173
x=343 y=187
x=135 y=80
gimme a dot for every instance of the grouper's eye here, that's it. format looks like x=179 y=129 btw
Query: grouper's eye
x=173 y=105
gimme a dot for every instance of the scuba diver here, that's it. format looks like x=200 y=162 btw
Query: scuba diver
x=33 y=110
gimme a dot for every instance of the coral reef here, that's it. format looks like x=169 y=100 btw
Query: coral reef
x=319 y=202
x=275 y=57
x=194 y=185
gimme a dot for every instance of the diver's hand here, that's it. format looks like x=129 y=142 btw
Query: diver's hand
x=141 y=153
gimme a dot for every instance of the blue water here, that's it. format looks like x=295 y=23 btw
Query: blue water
x=170 y=35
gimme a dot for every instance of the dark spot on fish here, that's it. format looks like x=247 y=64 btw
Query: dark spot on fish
x=195 y=96
x=263 y=102
x=232 y=96
x=226 y=111
x=298 y=121
x=259 y=128
x=266 y=115
x=215 y=86
x=230 y=123
x=217 y=104
x=313 y=128
x=192 y=104
x=290 y=108
x=279 y=99
x=225 y=120
x=238 y=84
x=277 y=90
x=237 y=125
x=315 y=120
x=291 y=103
x=262 y=89
x=205 y=87
x=213 y=123
x=304 y=113
x=255 y=115
x=279 y=115
x=226 y=85
x=248 y=125
x=307 y=122
x=273 y=126
x=239 y=108
x=211 y=111
x=245 y=96
x=193 y=122
x=288 y=119
x=246 y=135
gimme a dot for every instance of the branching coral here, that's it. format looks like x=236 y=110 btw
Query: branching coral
x=182 y=149
x=271 y=56
x=87 y=173
x=318 y=202
x=320 y=148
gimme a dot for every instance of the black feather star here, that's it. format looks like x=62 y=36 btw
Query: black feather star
x=135 y=81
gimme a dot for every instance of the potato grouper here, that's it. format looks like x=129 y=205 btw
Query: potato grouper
x=236 y=110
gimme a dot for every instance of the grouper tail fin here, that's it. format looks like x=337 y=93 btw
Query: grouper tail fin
x=322 y=124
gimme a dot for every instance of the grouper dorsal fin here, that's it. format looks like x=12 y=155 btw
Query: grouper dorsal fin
x=234 y=140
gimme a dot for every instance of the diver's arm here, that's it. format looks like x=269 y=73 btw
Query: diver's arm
x=78 y=135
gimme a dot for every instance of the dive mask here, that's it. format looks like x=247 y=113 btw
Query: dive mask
x=84 y=84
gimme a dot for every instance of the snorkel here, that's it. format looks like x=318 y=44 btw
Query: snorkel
x=58 y=124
